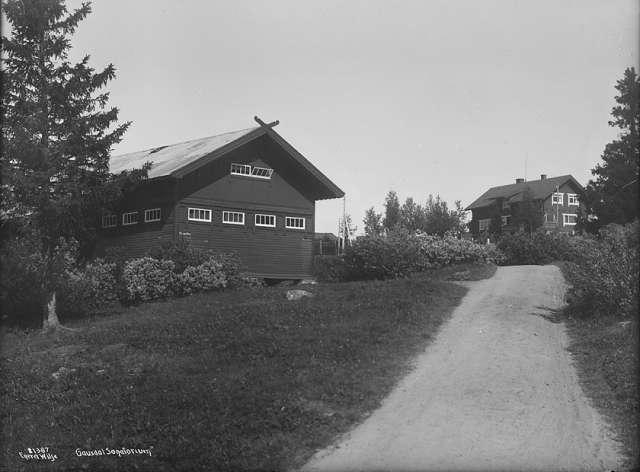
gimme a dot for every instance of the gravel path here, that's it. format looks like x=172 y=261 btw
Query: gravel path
x=495 y=391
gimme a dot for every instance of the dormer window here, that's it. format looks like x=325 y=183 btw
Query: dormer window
x=251 y=171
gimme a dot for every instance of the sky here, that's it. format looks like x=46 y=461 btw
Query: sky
x=421 y=97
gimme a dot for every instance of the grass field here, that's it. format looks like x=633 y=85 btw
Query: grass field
x=238 y=380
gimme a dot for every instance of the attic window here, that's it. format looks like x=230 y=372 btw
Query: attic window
x=240 y=169
x=262 y=172
x=573 y=199
x=249 y=171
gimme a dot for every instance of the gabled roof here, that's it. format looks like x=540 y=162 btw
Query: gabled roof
x=168 y=159
x=539 y=190
x=176 y=160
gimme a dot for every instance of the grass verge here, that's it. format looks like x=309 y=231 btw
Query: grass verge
x=242 y=380
x=606 y=351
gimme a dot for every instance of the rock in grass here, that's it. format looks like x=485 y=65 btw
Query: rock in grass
x=298 y=294
x=61 y=372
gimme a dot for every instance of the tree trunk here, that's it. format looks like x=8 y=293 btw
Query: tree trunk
x=51 y=321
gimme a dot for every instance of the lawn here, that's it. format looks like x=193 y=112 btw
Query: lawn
x=238 y=380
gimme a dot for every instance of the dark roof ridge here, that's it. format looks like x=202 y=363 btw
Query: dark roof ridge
x=542 y=188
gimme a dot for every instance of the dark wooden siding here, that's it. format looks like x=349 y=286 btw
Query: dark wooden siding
x=137 y=239
x=267 y=252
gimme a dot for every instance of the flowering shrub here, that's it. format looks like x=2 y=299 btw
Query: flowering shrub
x=181 y=253
x=605 y=277
x=540 y=248
x=90 y=290
x=209 y=275
x=147 y=278
x=401 y=253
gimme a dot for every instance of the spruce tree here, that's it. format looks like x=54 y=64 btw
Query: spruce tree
x=57 y=133
x=612 y=196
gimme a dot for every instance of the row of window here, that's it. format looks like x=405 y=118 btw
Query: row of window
x=568 y=219
x=238 y=218
x=558 y=199
x=203 y=215
x=251 y=171
x=131 y=218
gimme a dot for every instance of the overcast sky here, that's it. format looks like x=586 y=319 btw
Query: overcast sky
x=442 y=97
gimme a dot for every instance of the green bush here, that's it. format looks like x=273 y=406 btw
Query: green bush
x=147 y=278
x=329 y=268
x=90 y=290
x=401 y=253
x=184 y=255
x=181 y=253
x=604 y=278
x=540 y=247
x=207 y=276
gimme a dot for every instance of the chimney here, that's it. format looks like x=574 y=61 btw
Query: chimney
x=519 y=180
x=543 y=176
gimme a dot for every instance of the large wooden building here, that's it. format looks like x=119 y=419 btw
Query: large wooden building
x=551 y=201
x=246 y=191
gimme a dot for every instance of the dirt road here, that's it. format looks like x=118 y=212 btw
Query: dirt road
x=495 y=391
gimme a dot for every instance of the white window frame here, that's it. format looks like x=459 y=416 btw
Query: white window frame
x=205 y=217
x=484 y=222
x=572 y=199
x=247 y=170
x=128 y=220
x=557 y=196
x=264 y=170
x=240 y=169
x=110 y=220
x=290 y=219
x=564 y=219
x=266 y=217
x=227 y=221
x=150 y=215
x=506 y=220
